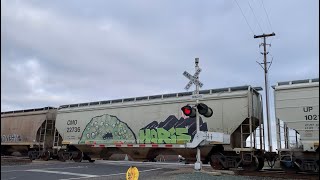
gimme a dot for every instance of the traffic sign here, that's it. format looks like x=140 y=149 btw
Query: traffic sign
x=193 y=79
x=197 y=96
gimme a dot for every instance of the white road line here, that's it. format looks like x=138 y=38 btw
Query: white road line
x=114 y=174
x=76 y=167
x=61 y=172
x=46 y=169
x=39 y=164
x=11 y=171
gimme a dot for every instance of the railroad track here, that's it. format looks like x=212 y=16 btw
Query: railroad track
x=13 y=160
x=14 y=157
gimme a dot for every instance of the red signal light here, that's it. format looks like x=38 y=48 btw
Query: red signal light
x=189 y=111
x=186 y=111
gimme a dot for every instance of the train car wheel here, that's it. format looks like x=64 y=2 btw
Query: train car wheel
x=254 y=165
x=215 y=163
x=86 y=157
x=78 y=157
x=261 y=163
x=287 y=164
x=31 y=157
x=61 y=157
x=45 y=156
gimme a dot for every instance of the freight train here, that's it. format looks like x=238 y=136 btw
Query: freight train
x=145 y=127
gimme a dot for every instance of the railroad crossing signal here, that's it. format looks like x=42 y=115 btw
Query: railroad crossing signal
x=203 y=109
x=194 y=111
x=193 y=79
x=189 y=111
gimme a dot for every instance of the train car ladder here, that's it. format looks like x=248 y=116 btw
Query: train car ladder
x=56 y=139
x=261 y=138
x=46 y=128
x=42 y=135
x=247 y=130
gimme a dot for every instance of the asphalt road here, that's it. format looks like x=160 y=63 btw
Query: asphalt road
x=52 y=170
x=114 y=170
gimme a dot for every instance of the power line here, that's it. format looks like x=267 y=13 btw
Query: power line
x=254 y=14
x=268 y=19
x=244 y=17
x=266 y=14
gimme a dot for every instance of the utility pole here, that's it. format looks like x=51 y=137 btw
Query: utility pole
x=265 y=68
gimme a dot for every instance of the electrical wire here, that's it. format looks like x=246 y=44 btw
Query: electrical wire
x=268 y=19
x=254 y=14
x=266 y=14
x=244 y=17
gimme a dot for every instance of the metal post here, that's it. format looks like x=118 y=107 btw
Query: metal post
x=197 y=165
x=260 y=127
x=196 y=93
x=279 y=134
x=250 y=117
x=296 y=133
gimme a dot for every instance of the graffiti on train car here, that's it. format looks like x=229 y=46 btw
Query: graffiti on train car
x=11 y=138
x=172 y=130
x=160 y=135
x=107 y=129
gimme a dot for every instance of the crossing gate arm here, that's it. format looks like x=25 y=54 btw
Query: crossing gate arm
x=202 y=138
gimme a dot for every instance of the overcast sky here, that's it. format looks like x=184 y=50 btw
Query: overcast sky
x=63 y=52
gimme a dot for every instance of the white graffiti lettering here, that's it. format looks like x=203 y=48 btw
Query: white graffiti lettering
x=11 y=138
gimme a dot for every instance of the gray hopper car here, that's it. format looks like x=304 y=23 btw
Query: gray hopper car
x=28 y=132
x=297 y=108
x=144 y=127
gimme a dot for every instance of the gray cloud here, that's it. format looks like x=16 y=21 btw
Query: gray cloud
x=115 y=49
x=62 y=52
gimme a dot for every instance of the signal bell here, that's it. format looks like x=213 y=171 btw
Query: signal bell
x=189 y=111
x=204 y=110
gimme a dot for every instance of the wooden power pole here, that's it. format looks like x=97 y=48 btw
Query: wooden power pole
x=265 y=68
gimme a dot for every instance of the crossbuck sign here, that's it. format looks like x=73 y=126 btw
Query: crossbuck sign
x=193 y=79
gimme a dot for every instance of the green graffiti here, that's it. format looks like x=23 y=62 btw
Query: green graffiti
x=145 y=136
x=160 y=136
x=154 y=136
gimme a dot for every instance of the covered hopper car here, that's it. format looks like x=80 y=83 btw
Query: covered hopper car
x=28 y=132
x=297 y=108
x=144 y=127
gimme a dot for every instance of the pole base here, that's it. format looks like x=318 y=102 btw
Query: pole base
x=197 y=166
